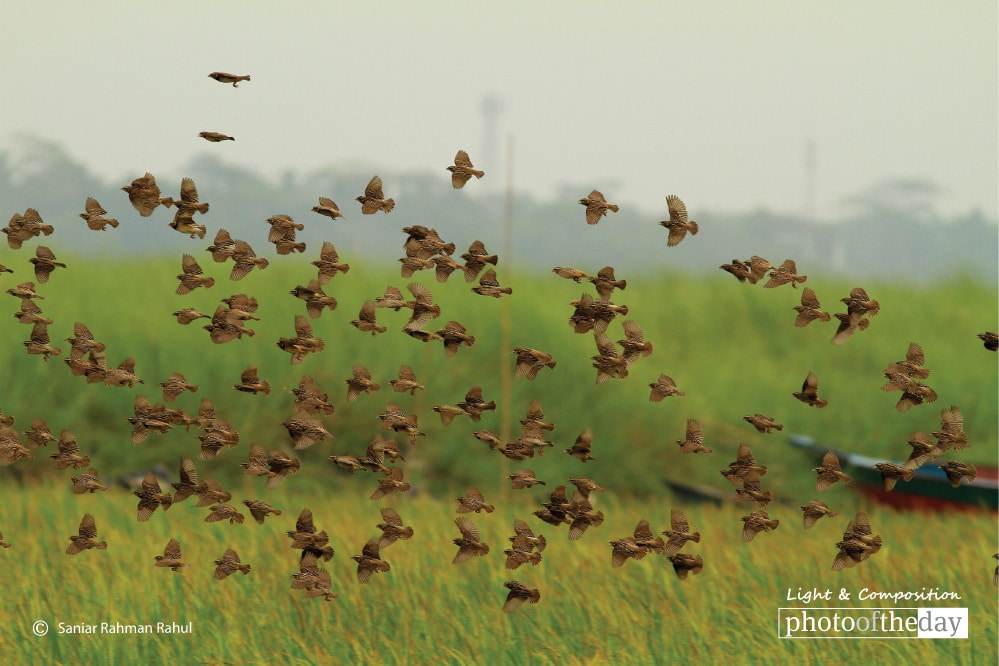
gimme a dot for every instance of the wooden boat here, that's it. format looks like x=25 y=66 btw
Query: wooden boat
x=929 y=489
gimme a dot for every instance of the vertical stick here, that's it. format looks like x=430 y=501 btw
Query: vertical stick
x=506 y=345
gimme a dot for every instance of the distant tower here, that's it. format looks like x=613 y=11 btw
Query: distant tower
x=490 y=160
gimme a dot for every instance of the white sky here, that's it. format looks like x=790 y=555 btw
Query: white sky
x=714 y=101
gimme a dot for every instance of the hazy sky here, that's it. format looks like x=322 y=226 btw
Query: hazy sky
x=714 y=101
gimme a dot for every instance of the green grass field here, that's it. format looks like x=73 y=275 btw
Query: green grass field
x=731 y=347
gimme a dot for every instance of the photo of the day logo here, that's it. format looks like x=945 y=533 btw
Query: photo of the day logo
x=872 y=623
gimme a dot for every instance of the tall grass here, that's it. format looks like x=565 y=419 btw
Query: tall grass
x=427 y=610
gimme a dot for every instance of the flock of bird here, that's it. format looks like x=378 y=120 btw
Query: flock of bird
x=425 y=250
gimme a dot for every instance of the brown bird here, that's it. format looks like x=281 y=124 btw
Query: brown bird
x=393 y=299
x=392 y=528
x=809 y=310
x=374 y=200
x=679 y=533
x=490 y=286
x=524 y=534
x=391 y=483
x=531 y=361
x=693 y=441
x=12 y=450
x=366 y=321
x=634 y=345
x=744 y=468
x=257 y=465
x=956 y=471
x=891 y=473
x=454 y=336
x=951 y=433
x=220 y=512
x=423 y=306
x=518 y=594
x=406 y=381
x=188 y=484
x=25 y=290
x=144 y=195
x=786 y=272
x=44 y=262
x=677 y=223
x=448 y=413
x=912 y=366
x=859 y=302
x=69 y=453
x=624 y=549
x=469 y=545
x=489 y=437
x=30 y=313
x=756 y=522
x=859 y=543
x=176 y=384
x=664 y=387
x=216 y=137
x=990 y=340
x=605 y=282
x=473 y=500
x=303 y=343
x=306 y=431
x=684 y=564
x=740 y=270
x=462 y=170
x=96 y=217
x=309 y=399
x=151 y=497
x=171 y=557
x=829 y=472
x=350 y=463
x=476 y=259
x=570 y=273
x=187 y=206
x=923 y=450
x=474 y=404
x=87 y=483
x=596 y=207
x=226 y=77
x=24 y=227
x=315 y=298
x=3 y=542
x=751 y=491
x=228 y=564
x=763 y=423
x=814 y=510
x=39 y=434
x=524 y=478
x=521 y=552
x=809 y=393
x=328 y=208
x=360 y=382
x=187 y=315
x=329 y=263
x=86 y=537
x=250 y=382
x=369 y=562
x=40 y=343
x=582 y=446
x=246 y=260
x=849 y=323
x=192 y=277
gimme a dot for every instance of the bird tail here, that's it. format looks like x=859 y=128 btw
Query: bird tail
x=613 y=207
x=210 y=282
x=388 y=205
x=692 y=227
x=103 y=545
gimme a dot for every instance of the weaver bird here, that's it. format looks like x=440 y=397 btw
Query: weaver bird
x=391 y=483
x=250 y=382
x=328 y=263
x=44 y=262
x=469 y=544
x=171 y=557
x=956 y=471
x=373 y=200
x=596 y=206
x=524 y=478
x=763 y=423
x=226 y=77
x=40 y=342
x=473 y=500
x=474 y=404
x=303 y=343
x=96 y=217
x=663 y=388
x=360 y=382
x=756 y=522
x=740 y=270
x=229 y=563
x=582 y=447
x=829 y=472
x=151 y=497
x=462 y=170
x=192 y=277
x=809 y=310
x=677 y=223
x=366 y=320
x=531 y=361
x=86 y=537
x=87 y=483
x=216 y=137
x=809 y=393
x=990 y=340
x=392 y=528
x=679 y=533
x=68 y=454
x=490 y=286
x=684 y=564
x=219 y=512
x=476 y=259
x=693 y=441
x=951 y=433
x=369 y=562
x=814 y=510
x=786 y=272
x=859 y=543
x=923 y=450
x=891 y=473
x=144 y=195
x=518 y=594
